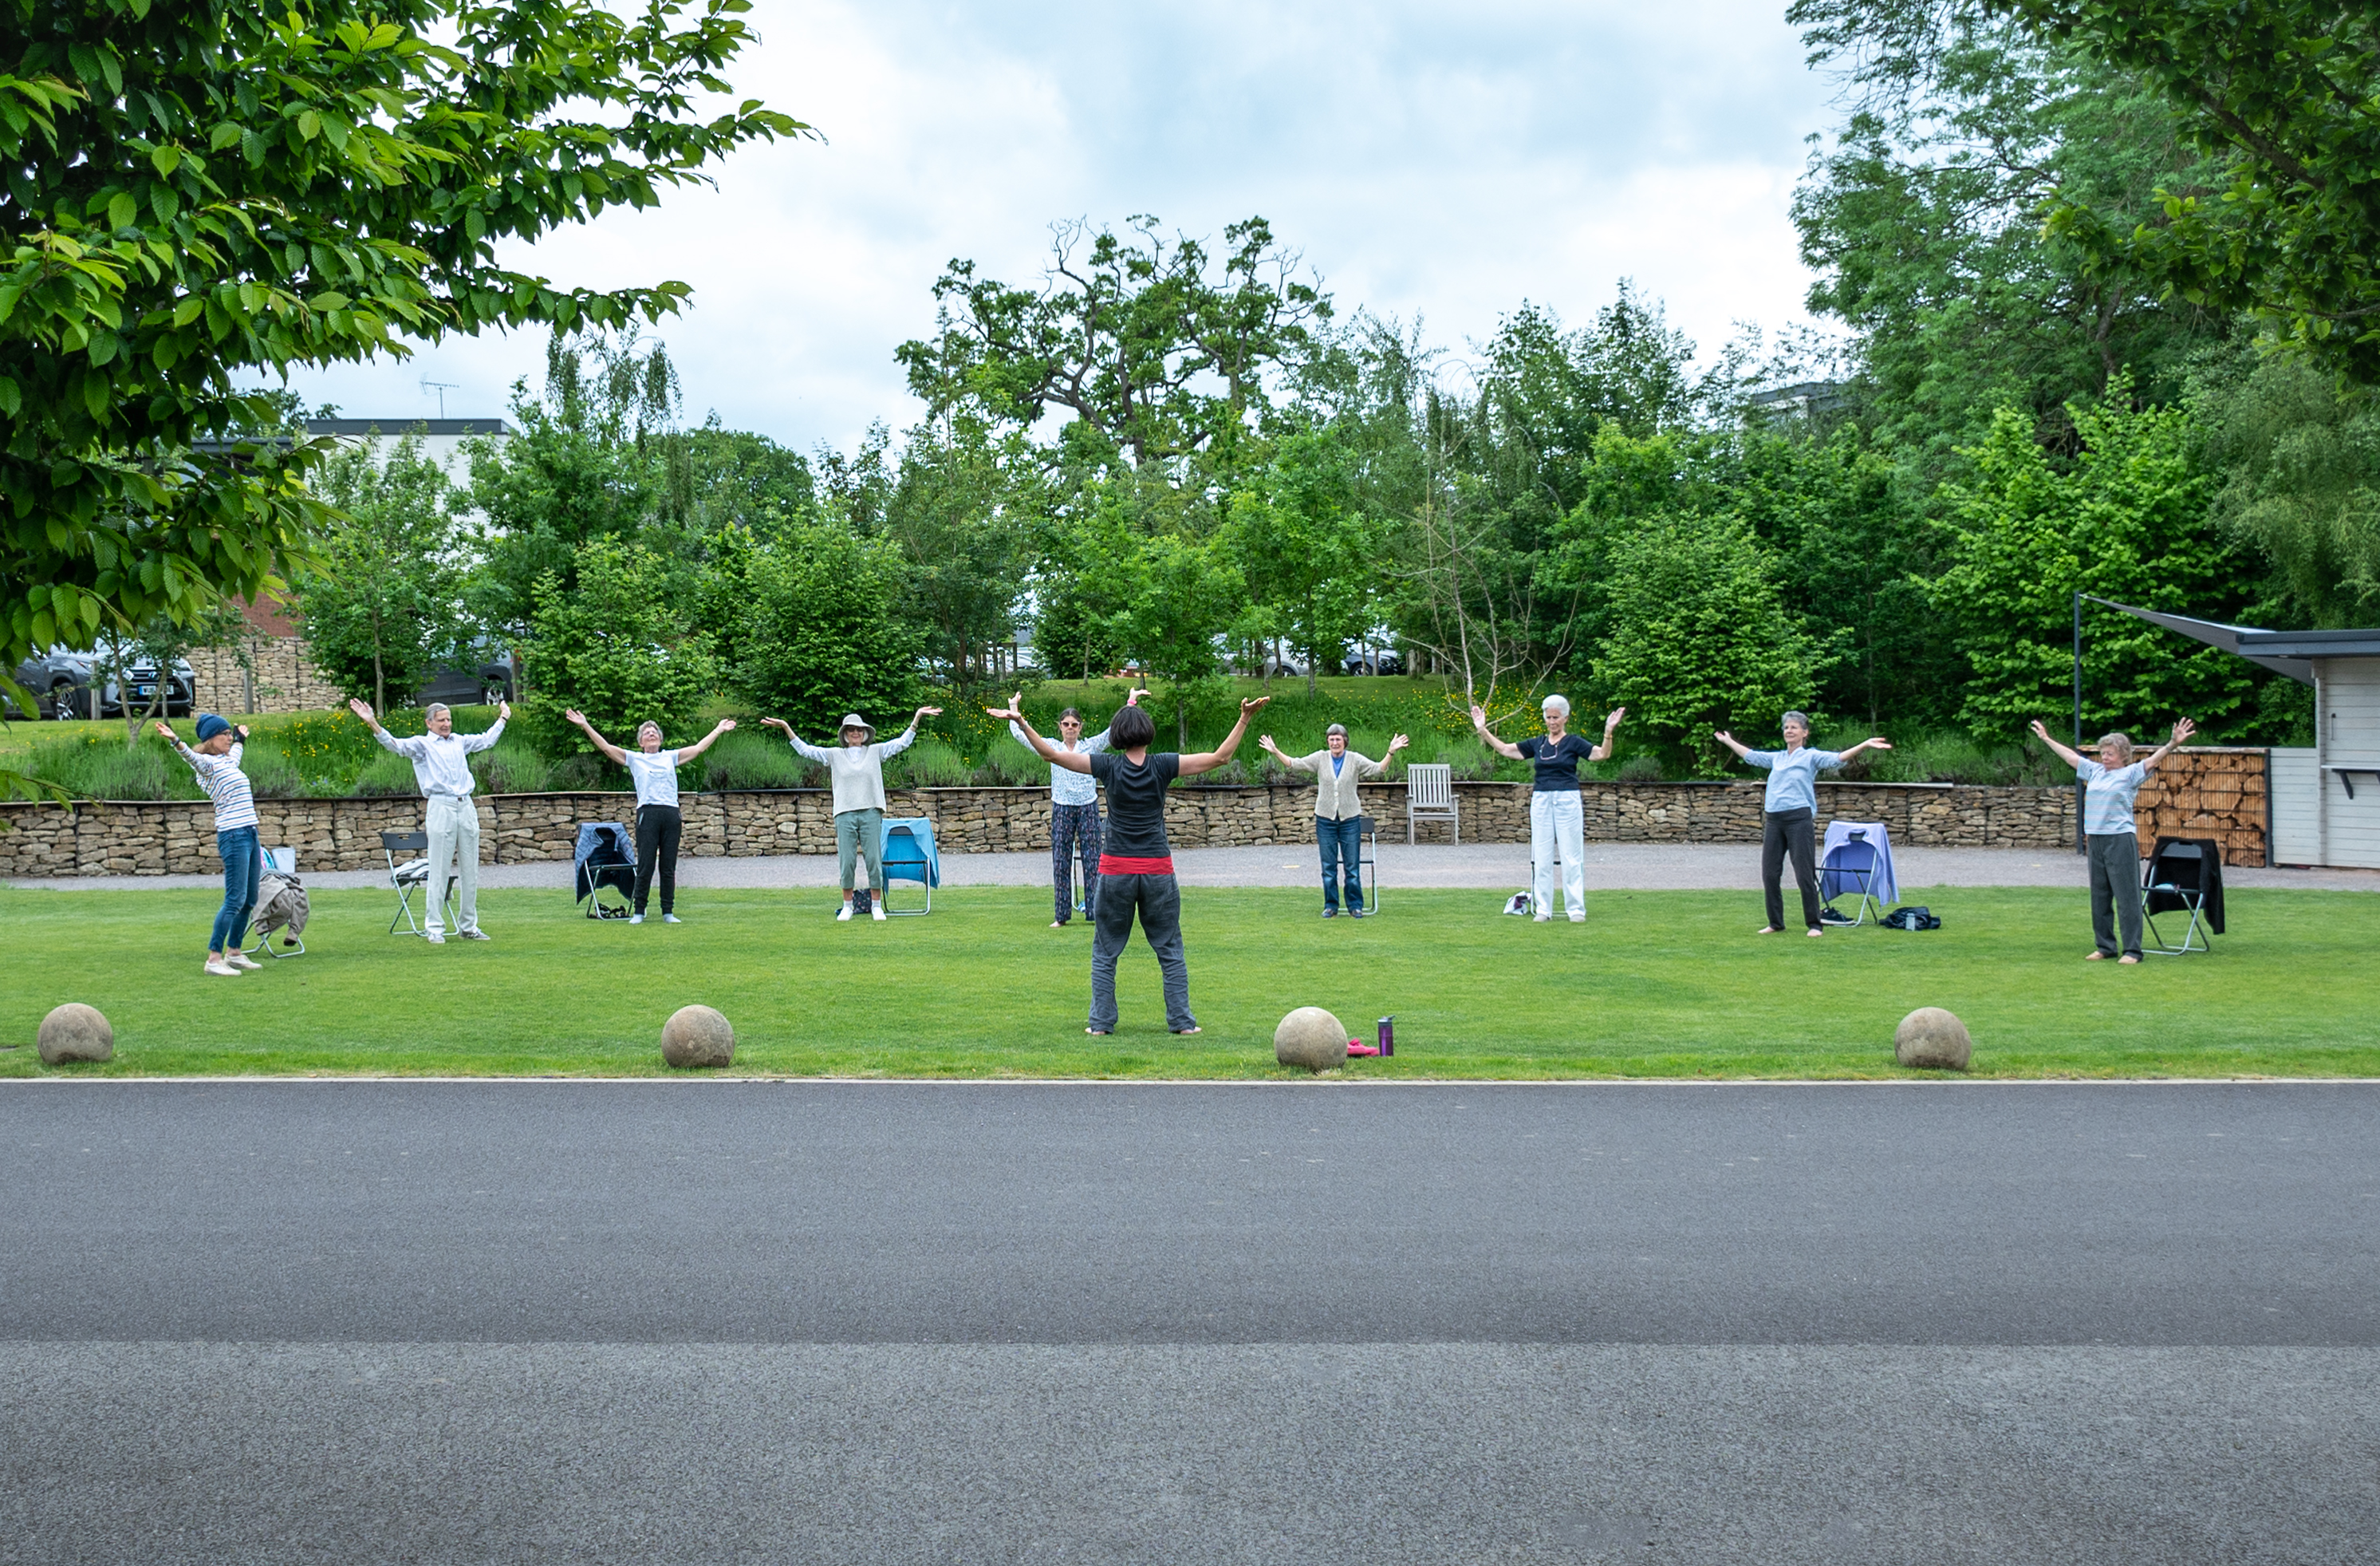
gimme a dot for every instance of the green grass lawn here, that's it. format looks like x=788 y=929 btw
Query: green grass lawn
x=1657 y=984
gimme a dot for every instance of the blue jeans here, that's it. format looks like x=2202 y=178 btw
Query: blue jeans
x=238 y=847
x=1341 y=844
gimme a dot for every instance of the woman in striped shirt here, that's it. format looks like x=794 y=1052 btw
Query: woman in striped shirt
x=216 y=760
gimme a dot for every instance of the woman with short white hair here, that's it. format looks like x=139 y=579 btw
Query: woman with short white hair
x=659 y=824
x=1557 y=813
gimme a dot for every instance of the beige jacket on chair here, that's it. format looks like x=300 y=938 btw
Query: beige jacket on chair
x=1335 y=799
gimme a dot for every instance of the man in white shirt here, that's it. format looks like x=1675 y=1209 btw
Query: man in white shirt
x=441 y=765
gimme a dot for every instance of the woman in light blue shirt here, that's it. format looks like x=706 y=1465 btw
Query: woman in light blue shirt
x=1788 y=813
x=2110 y=838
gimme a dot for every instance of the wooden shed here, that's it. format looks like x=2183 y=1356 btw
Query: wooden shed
x=2324 y=802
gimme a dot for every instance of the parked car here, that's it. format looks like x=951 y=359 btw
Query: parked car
x=1375 y=663
x=486 y=682
x=1282 y=669
x=63 y=680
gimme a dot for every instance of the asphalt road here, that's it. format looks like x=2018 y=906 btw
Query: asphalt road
x=762 y=1321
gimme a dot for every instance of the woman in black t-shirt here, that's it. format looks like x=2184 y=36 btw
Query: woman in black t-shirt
x=1557 y=815
x=1135 y=865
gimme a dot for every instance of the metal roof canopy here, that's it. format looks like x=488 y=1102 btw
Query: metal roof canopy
x=2284 y=652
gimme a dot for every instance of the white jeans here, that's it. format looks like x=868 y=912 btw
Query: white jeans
x=1558 y=823
x=454 y=826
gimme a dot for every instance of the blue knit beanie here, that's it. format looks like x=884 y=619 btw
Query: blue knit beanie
x=209 y=725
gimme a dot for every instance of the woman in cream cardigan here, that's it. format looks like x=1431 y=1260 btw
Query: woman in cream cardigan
x=1338 y=813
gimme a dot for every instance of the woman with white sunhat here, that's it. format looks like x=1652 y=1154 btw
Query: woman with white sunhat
x=658 y=823
x=1557 y=814
x=857 y=770
x=1788 y=814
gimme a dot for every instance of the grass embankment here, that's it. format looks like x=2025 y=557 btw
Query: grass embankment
x=1657 y=984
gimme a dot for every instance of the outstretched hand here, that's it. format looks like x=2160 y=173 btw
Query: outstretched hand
x=1611 y=719
x=2182 y=731
x=1010 y=713
x=1250 y=706
x=1399 y=742
x=360 y=708
x=241 y=731
x=503 y=711
x=573 y=715
x=1132 y=698
x=926 y=712
x=2042 y=730
x=1478 y=716
x=1724 y=737
x=164 y=728
x=778 y=723
x=725 y=724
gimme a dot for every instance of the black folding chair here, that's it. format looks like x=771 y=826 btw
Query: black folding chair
x=412 y=875
x=1367 y=858
x=2174 y=881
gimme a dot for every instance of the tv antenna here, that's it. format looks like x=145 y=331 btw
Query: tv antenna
x=442 y=388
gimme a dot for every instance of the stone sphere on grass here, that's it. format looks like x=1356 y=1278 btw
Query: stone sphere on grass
x=696 y=1036
x=76 y=1032
x=1932 y=1040
x=1311 y=1038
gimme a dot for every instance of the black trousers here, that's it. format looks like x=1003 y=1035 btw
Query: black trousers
x=1780 y=831
x=658 y=830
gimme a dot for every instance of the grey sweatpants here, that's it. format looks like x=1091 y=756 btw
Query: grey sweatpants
x=2114 y=891
x=1157 y=901
x=860 y=833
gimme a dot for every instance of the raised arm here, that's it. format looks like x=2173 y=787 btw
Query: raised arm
x=408 y=748
x=1742 y=752
x=605 y=745
x=1207 y=761
x=492 y=733
x=1374 y=768
x=907 y=736
x=688 y=752
x=1072 y=761
x=1878 y=743
x=801 y=746
x=2182 y=732
x=1479 y=722
x=1295 y=763
x=1610 y=727
x=2041 y=732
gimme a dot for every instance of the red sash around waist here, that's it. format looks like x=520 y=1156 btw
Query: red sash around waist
x=1121 y=865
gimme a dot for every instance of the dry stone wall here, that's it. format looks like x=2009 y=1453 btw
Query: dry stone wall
x=285 y=680
x=177 y=838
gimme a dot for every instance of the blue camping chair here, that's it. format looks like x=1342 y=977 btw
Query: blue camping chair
x=1852 y=866
x=909 y=854
x=605 y=855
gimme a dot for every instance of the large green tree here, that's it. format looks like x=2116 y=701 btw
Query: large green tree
x=2127 y=521
x=611 y=644
x=382 y=600
x=820 y=635
x=197 y=192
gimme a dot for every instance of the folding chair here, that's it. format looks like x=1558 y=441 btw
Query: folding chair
x=1430 y=796
x=605 y=855
x=907 y=853
x=2174 y=881
x=277 y=862
x=1850 y=865
x=411 y=875
x=1367 y=858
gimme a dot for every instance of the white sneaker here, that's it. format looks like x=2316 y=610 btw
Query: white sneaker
x=672 y=919
x=845 y=917
x=435 y=937
x=875 y=912
x=241 y=960
x=1578 y=918
x=1543 y=920
x=217 y=966
x=635 y=918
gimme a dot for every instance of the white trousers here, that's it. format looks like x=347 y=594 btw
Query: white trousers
x=1558 y=825
x=453 y=827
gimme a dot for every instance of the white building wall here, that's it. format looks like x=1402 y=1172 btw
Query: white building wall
x=2296 y=802
x=2348 y=719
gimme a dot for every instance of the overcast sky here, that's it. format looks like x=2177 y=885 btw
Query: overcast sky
x=1432 y=161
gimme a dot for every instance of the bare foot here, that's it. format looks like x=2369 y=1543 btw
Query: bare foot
x=2128 y=958
x=1180 y=1030
x=1057 y=924
x=1097 y=1032
x=1817 y=932
x=2096 y=957
x=1767 y=929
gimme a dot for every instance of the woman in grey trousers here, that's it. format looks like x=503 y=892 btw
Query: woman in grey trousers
x=2110 y=785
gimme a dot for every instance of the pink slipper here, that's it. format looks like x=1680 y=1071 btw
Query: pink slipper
x=1355 y=1048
